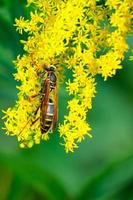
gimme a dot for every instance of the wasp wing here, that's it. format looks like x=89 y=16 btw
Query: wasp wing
x=44 y=103
x=55 y=117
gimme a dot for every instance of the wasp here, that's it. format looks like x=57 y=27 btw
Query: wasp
x=48 y=102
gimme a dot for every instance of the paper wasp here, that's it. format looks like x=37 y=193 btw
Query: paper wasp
x=48 y=102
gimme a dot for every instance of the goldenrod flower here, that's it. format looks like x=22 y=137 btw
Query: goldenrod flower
x=81 y=35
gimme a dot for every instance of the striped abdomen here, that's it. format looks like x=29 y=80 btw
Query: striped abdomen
x=48 y=121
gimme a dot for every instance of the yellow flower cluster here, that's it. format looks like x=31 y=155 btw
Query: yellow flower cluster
x=84 y=36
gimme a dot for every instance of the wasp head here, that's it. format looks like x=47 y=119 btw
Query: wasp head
x=50 y=68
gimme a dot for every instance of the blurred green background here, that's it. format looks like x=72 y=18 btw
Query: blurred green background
x=101 y=169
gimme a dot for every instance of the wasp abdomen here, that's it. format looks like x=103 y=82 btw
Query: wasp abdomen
x=49 y=118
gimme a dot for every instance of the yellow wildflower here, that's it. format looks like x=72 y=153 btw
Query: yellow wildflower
x=84 y=36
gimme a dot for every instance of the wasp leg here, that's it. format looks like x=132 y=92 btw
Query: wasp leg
x=37 y=110
x=23 y=128
x=33 y=96
x=29 y=121
x=35 y=121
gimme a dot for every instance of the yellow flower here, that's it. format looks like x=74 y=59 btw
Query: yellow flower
x=86 y=38
x=70 y=145
x=72 y=87
x=108 y=64
x=21 y=24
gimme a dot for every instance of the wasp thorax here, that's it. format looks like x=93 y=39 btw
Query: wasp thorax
x=52 y=77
